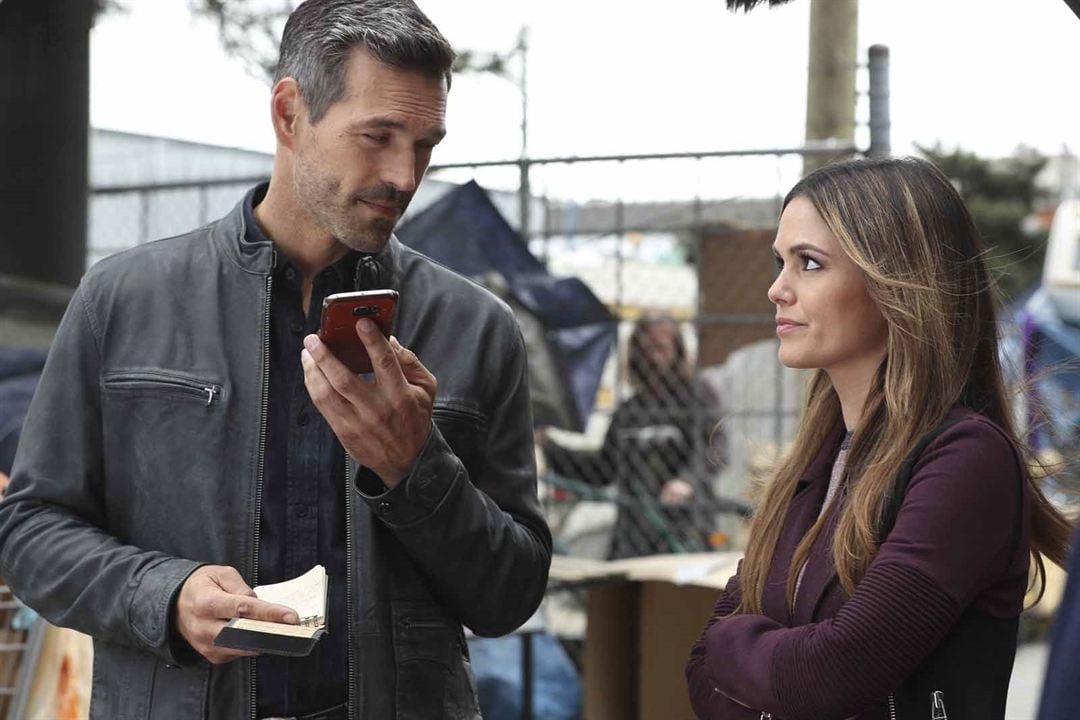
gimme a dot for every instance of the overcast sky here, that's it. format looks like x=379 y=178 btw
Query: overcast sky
x=609 y=77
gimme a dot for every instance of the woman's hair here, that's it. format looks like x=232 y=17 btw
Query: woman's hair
x=904 y=224
x=644 y=374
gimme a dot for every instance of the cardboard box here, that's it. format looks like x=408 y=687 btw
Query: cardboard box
x=643 y=615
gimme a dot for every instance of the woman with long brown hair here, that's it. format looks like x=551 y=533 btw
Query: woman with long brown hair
x=889 y=556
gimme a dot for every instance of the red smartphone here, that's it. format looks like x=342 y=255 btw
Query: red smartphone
x=337 y=325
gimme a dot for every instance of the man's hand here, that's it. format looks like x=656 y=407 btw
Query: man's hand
x=383 y=424
x=209 y=598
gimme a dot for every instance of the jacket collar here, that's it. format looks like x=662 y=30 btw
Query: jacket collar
x=258 y=258
x=801 y=515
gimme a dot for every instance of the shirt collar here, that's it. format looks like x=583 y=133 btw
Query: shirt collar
x=344 y=269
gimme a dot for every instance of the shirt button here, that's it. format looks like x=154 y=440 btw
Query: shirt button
x=290 y=274
x=296 y=328
x=383 y=508
x=301 y=510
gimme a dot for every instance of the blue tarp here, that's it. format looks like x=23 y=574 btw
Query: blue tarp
x=556 y=693
x=1052 y=360
x=19 y=373
x=466 y=232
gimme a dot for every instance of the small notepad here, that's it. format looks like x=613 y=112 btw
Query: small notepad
x=307 y=595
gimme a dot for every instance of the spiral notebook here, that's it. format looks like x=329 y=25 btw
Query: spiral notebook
x=307 y=595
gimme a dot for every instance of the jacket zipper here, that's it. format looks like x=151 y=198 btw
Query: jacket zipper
x=892 y=707
x=262 y=458
x=198 y=388
x=937 y=706
x=350 y=662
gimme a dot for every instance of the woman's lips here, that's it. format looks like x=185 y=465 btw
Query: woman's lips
x=786 y=326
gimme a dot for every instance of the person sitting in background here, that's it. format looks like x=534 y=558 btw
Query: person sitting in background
x=888 y=560
x=657 y=449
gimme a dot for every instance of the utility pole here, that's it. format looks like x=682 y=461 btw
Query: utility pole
x=830 y=92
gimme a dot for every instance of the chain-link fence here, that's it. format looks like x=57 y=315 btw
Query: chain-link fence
x=693 y=403
x=124 y=216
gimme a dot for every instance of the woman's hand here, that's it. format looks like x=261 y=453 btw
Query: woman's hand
x=676 y=492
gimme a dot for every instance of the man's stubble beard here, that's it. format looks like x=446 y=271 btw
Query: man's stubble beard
x=318 y=194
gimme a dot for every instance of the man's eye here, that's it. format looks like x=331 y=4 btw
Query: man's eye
x=377 y=138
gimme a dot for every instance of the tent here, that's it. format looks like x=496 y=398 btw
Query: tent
x=568 y=331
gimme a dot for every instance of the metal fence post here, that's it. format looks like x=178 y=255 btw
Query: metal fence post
x=880 y=142
x=523 y=199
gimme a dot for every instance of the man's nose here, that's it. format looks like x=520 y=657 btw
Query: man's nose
x=400 y=171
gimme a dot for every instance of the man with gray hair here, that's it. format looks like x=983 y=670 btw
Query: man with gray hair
x=192 y=438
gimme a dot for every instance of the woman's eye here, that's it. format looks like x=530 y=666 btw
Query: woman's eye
x=811 y=263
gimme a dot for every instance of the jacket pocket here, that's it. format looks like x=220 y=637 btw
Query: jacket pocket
x=166 y=434
x=433 y=679
x=169 y=383
x=122 y=682
x=179 y=692
x=459 y=410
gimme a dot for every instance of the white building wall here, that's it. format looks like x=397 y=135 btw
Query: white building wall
x=120 y=220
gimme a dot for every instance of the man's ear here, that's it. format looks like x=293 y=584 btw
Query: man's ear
x=286 y=108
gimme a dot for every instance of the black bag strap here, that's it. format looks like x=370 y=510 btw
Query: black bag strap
x=903 y=477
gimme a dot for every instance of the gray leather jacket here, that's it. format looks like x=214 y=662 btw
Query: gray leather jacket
x=142 y=459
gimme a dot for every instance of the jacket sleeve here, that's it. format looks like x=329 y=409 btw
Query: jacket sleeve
x=596 y=467
x=480 y=539
x=706 y=700
x=54 y=553
x=698 y=419
x=954 y=536
x=705 y=445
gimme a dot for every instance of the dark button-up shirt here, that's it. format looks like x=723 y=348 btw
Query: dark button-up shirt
x=302 y=521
